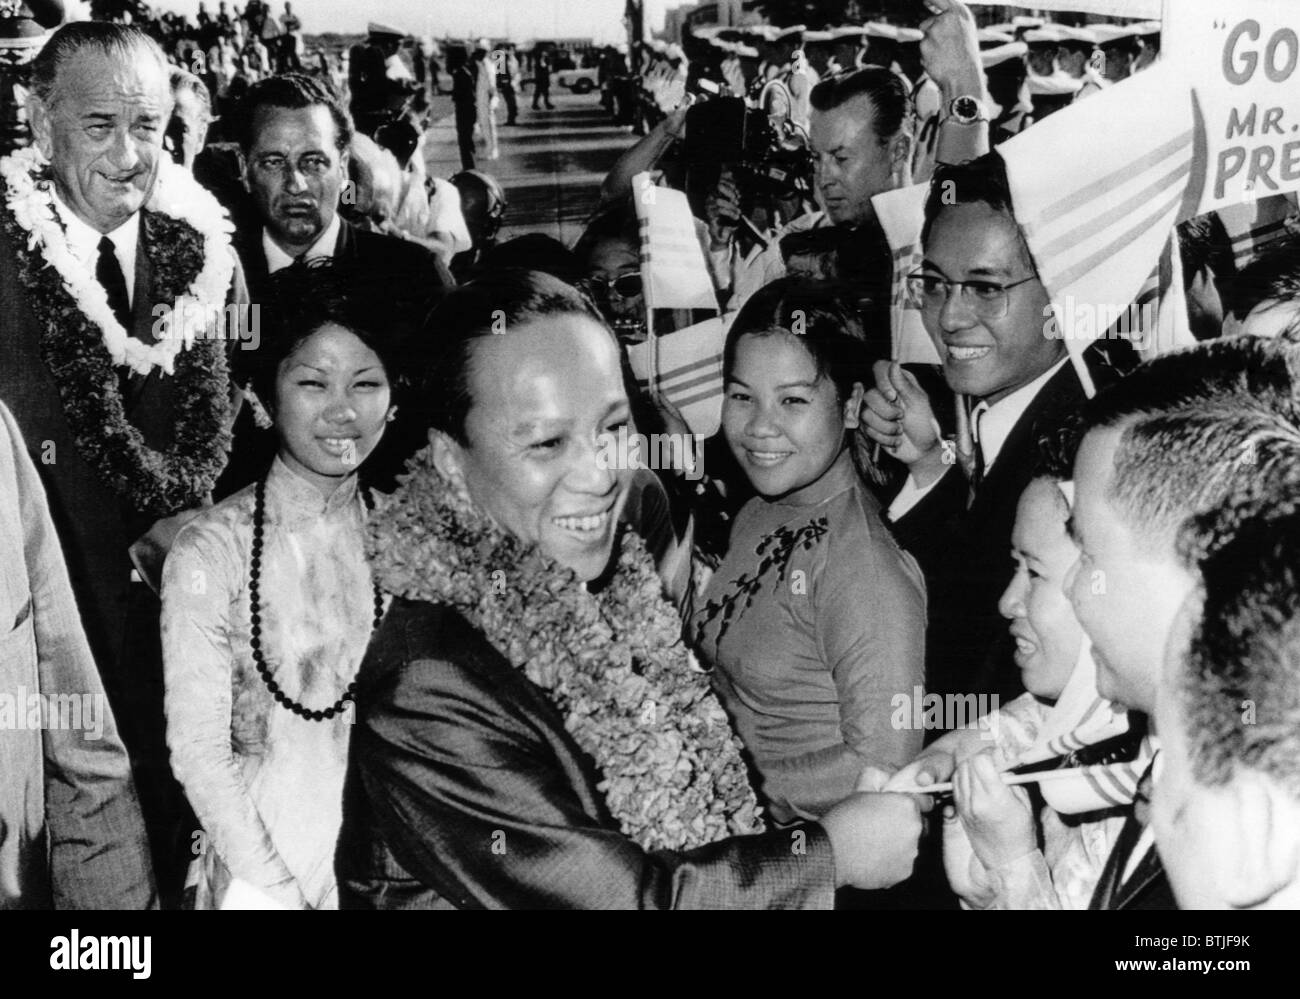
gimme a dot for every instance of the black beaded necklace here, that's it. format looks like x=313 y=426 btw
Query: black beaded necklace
x=255 y=630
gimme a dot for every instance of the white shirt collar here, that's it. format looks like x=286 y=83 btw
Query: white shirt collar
x=995 y=426
x=83 y=242
x=325 y=245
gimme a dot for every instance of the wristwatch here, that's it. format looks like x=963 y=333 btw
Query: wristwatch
x=966 y=110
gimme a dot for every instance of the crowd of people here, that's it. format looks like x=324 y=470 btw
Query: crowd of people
x=313 y=520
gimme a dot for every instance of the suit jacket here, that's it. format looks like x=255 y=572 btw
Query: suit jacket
x=464 y=790
x=95 y=525
x=71 y=835
x=1148 y=887
x=965 y=553
x=396 y=271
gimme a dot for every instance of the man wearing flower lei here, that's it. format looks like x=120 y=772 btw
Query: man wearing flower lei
x=531 y=731
x=116 y=271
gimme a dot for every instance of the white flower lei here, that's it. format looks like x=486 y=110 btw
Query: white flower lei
x=196 y=314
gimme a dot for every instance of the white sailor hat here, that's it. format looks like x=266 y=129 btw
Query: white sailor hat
x=1077 y=36
x=1109 y=34
x=788 y=34
x=745 y=51
x=674 y=51
x=1144 y=28
x=707 y=30
x=658 y=45
x=1048 y=34
x=375 y=28
x=817 y=37
x=1003 y=53
x=1027 y=21
x=991 y=36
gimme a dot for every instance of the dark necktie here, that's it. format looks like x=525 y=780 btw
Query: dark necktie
x=109 y=273
x=977 y=467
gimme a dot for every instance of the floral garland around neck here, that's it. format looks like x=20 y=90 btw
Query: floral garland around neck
x=186 y=239
x=612 y=662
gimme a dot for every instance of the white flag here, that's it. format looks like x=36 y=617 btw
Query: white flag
x=673 y=269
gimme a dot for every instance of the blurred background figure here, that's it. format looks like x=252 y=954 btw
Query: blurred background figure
x=24 y=27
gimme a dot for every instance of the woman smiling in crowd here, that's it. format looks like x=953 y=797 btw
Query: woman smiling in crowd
x=815 y=620
x=268 y=606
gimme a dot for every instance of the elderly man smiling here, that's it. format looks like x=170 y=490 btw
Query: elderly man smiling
x=111 y=258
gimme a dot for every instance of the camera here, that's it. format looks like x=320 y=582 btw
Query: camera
x=769 y=155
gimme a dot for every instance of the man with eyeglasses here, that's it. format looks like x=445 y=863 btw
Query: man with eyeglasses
x=981 y=300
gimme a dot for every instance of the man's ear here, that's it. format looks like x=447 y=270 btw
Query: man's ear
x=900 y=153
x=1263 y=851
x=853 y=407
x=38 y=118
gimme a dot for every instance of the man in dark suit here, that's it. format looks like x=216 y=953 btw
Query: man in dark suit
x=980 y=296
x=1172 y=441
x=466 y=791
x=295 y=137
x=99 y=108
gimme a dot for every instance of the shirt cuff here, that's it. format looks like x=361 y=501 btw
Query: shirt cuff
x=910 y=495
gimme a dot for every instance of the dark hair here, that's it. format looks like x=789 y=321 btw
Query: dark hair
x=886 y=89
x=293 y=91
x=303 y=298
x=1273 y=276
x=1245 y=646
x=1199 y=426
x=823 y=318
x=978 y=181
x=492 y=303
x=615 y=221
x=533 y=251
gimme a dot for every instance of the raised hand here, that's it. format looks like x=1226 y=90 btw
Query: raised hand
x=896 y=414
x=950 y=51
x=998 y=819
x=722 y=211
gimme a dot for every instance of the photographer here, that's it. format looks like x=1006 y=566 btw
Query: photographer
x=862 y=142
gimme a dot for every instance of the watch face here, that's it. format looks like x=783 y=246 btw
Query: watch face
x=965 y=108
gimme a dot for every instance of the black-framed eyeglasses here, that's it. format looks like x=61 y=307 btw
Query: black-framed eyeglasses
x=987 y=299
x=625 y=285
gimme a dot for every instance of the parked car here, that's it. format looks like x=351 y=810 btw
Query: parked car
x=580 y=81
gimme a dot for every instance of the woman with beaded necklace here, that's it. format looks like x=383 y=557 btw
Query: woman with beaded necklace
x=268 y=606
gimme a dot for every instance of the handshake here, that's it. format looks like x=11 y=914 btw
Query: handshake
x=875 y=832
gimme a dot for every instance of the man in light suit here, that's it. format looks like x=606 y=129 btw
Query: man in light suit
x=71 y=835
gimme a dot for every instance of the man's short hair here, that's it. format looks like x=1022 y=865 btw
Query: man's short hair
x=182 y=79
x=886 y=89
x=1273 y=276
x=979 y=181
x=294 y=91
x=123 y=42
x=1199 y=426
x=1238 y=690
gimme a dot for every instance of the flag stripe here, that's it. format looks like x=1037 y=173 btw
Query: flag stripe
x=687 y=369
x=1106 y=253
x=699 y=397
x=1100 y=188
x=1100 y=223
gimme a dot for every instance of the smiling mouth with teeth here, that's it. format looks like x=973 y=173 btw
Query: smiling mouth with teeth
x=583 y=525
x=968 y=353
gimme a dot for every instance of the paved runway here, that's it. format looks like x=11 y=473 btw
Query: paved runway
x=551 y=165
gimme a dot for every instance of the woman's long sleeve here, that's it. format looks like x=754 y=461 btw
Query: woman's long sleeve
x=198 y=587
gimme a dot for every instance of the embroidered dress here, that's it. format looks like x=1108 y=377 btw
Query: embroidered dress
x=265 y=784
x=814 y=624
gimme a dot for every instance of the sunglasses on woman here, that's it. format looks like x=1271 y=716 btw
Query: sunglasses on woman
x=625 y=285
